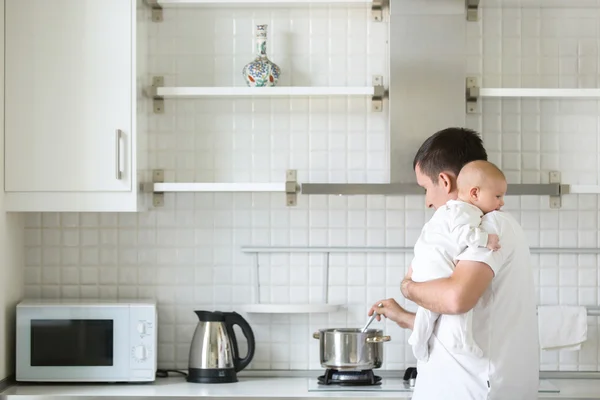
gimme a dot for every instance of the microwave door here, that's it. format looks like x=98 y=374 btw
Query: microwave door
x=72 y=344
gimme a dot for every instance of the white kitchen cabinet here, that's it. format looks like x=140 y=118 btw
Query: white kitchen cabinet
x=74 y=113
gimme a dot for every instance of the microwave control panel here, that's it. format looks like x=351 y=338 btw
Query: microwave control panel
x=143 y=338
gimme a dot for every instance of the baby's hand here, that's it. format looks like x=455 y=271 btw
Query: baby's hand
x=493 y=242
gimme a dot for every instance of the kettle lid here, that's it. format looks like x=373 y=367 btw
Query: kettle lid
x=210 y=316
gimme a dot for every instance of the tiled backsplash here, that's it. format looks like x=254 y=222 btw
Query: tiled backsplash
x=325 y=139
x=187 y=254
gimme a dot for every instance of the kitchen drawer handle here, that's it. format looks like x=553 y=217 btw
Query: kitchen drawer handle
x=118 y=155
x=316 y=335
x=379 y=339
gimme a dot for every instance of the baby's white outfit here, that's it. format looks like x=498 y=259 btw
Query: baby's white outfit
x=451 y=229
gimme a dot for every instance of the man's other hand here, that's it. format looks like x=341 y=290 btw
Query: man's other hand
x=405 y=282
x=390 y=309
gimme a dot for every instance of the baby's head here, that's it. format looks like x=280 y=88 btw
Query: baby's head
x=482 y=184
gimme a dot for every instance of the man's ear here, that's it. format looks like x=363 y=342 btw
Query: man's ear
x=445 y=180
x=474 y=193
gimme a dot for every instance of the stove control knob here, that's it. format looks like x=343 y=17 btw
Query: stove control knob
x=410 y=376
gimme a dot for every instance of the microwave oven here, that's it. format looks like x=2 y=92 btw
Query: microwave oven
x=86 y=341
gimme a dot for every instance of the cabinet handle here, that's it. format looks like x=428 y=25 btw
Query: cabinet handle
x=118 y=155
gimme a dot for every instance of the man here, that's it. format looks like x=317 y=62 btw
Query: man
x=498 y=286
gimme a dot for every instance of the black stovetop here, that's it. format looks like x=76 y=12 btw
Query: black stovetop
x=349 y=378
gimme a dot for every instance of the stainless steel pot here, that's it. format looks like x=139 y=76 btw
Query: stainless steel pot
x=350 y=349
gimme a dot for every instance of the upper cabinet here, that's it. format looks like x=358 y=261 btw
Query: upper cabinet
x=74 y=116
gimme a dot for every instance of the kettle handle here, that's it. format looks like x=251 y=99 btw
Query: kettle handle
x=231 y=319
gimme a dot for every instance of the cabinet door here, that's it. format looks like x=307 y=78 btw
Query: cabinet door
x=68 y=94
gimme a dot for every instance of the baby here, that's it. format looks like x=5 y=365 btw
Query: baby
x=451 y=229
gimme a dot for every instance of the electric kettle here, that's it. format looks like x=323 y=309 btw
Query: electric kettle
x=214 y=355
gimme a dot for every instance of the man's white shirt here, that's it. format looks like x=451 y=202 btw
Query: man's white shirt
x=504 y=326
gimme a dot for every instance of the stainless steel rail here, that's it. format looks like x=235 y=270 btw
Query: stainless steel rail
x=375 y=249
x=520 y=189
x=593 y=311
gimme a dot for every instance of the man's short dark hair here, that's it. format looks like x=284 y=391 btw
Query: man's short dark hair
x=449 y=150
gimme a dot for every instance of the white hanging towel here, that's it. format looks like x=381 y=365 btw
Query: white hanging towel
x=562 y=327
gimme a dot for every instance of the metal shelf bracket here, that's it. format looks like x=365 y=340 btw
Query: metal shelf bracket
x=158 y=198
x=157 y=11
x=472 y=7
x=379 y=93
x=555 y=200
x=291 y=187
x=377 y=10
x=158 y=103
x=471 y=94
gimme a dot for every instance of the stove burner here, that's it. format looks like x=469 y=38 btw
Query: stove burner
x=349 y=378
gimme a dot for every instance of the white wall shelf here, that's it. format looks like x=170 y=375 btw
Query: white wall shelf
x=538 y=4
x=158 y=187
x=474 y=92
x=219 y=187
x=196 y=92
x=159 y=93
x=540 y=93
x=583 y=189
x=158 y=5
x=253 y=3
x=289 y=308
x=472 y=6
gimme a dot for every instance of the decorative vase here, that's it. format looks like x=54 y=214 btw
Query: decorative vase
x=261 y=72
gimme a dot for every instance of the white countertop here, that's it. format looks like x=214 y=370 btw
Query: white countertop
x=252 y=388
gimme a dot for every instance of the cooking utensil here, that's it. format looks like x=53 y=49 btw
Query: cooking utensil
x=371 y=319
x=350 y=349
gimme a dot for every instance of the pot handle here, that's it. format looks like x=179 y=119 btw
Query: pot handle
x=316 y=335
x=378 y=339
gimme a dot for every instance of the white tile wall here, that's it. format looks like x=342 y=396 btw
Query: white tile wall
x=325 y=139
x=187 y=254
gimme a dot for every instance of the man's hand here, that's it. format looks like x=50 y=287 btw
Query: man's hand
x=454 y=295
x=393 y=311
x=493 y=242
x=406 y=282
x=404 y=288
